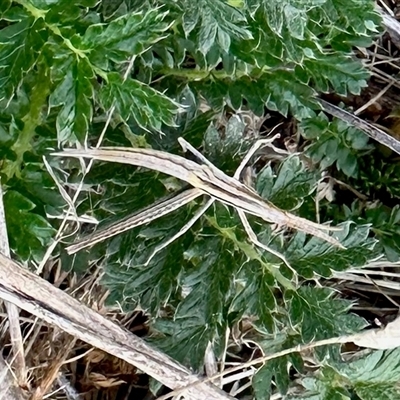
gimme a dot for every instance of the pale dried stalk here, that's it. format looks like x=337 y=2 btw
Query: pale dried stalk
x=12 y=310
x=38 y=297
x=391 y=24
x=53 y=370
x=8 y=388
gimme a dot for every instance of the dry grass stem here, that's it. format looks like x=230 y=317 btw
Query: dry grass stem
x=12 y=310
x=40 y=298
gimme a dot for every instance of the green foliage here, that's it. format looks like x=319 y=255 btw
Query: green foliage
x=213 y=25
x=291 y=185
x=179 y=68
x=334 y=143
x=374 y=376
x=314 y=314
x=72 y=59
x=215 y=271
x=323 y=320
x=387 y=229
x=29 y=232
x=220 y=149
x=385 y=223
x=339 y=72
x=377 y=175
x=74 y=94
x=138 y=101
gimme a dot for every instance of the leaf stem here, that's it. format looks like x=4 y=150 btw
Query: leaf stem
x=36 y=12
x=31 y=120
x=41 y=14
x=251 y=253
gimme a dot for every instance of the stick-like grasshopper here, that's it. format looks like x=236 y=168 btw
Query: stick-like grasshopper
x=206 y=179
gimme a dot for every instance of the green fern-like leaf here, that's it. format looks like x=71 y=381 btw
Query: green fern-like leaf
x=335 y=143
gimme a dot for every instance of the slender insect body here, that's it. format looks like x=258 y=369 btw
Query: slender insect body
x=205 y=178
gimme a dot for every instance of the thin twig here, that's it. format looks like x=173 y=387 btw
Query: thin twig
x=70 y=392
x=374 y=99
x=52 y=371
x=8 y=389
x=12 y=310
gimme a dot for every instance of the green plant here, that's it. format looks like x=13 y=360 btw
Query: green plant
x=144 y=73
x=335 y=143
x=372 y=377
